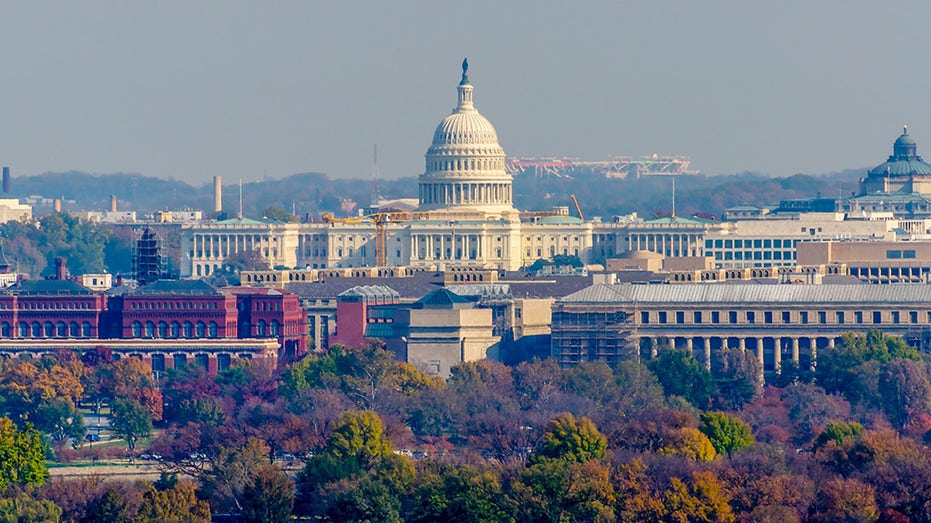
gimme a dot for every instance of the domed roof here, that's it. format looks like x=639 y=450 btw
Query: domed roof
x=465 y=126
x=904 y=160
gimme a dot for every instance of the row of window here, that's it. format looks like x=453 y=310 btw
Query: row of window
x=751 y=244
x=47 y=330
x=45 y=306
x=751 y=255
x=171 y=305
x=174 y=330
x=783 y=317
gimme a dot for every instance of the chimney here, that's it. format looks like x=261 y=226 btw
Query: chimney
x=113 y=203
x=217 y=194
x=57 y=205
x=61 y=268
x=6 y=180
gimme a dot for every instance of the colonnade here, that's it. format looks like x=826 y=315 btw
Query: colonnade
x=771 y=351
x=668 y=244
x=220 y=246
x=466 y=193
x=447 y=247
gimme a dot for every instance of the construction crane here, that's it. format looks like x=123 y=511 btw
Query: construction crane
x=577 y=208
x=381 y=220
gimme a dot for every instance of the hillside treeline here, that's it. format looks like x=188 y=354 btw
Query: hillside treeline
x=311 y=194
x=353 y=435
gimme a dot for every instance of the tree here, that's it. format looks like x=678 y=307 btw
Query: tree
x=22 y=455
x=838 y=432
x=25 y=509
x=561 y=490
x=229 y=273
x=571 y=440
x=268 y=497
x=279 y=214
x=737 y=378
x=727 y=433
x=680 y=374
x=702 y=500
x=176 y=504
x=905 y=390
x=131 y=421
x=689 y=443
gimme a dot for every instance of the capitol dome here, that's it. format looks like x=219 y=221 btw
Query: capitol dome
x=465 y=165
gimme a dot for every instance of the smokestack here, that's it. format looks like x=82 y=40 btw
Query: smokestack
x=217 y=194
x=57 y=205
x=61 y=268
x=6 y=180
x=113 y=203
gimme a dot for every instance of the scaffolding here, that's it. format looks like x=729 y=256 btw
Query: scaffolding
x=149 y=265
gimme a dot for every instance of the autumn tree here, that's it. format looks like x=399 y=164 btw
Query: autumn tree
x=737 y=378
x=571 y=440
x=176 y=504
x=24 y=509
x=357 y=476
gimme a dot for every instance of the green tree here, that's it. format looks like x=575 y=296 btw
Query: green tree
x=689 y=443
x=838 y=432
x=562 y=491
x=25 y=509
x=680 y=374
x=22 y=455
x=131 y=421
x=279 y=214
x=571 y=440
x=727 y=433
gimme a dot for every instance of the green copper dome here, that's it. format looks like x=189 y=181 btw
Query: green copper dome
x=904 y=160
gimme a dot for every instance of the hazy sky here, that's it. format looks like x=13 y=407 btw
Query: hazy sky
x=245 y=89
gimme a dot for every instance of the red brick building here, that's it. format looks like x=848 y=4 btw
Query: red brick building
x=167 y=323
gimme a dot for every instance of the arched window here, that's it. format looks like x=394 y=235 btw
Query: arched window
x=149 y=329
x=223 y=361
x=260 y=328
x=23 y=329
x=137 y=329
x=202 y=359
x=201 y=329
x=49 y=329
x=6 y=330
x=175 y=329
x=180 y=360
x=212 y=331
x=61 y=330
x=162 y=329
x=158 y=363
x=36 y=330
x=276 y=327
x=188 y=329
x=73 y=330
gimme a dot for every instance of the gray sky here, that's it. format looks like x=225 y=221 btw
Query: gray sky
x=242 y=88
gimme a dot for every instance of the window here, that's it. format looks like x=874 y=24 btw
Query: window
x=149 y=329
x=180 y=361
x=212 y=330
x=202 y=360
x=644 y=317
x=840 y=317
x=913 y=317
x=768 y=317
x=188 y=329
x=662 y=316
x=908 y=254
x=696 y=317
x=201 y=330
x=786 y=317
x=715 y=317
x=73 y=330
x=802 y=317
x=858 y=317
x=49 y=329
x=751 y=317
x=822 y=317
x=137 y=329
x=877 y=317
x=895 y=317
x=894 y=254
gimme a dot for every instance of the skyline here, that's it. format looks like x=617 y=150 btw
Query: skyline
x=246 y=91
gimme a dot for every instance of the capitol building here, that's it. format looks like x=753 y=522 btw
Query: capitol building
x=465 y=217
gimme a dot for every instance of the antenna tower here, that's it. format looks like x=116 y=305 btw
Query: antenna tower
x=376 y=196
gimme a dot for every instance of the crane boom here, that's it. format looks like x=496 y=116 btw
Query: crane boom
x=577 y=208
